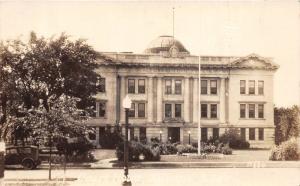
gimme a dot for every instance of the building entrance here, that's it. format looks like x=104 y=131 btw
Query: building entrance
x=174 y=134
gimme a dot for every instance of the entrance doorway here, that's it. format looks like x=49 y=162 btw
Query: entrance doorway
x=174 y=134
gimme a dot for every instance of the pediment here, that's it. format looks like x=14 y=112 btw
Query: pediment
x=254 y=61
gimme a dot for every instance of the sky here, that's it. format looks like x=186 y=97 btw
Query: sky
x=230 y=28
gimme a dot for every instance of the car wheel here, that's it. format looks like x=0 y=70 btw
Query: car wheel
x=28 y=164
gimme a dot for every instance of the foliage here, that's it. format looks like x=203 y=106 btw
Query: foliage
x=136 y=149
x=226 y=150
x=63 y=119
x=76 y=151
x=186 y=149
x=287 y=150
x=232 y=137
x=42 y=68
x=287 y=123
x=110 y=140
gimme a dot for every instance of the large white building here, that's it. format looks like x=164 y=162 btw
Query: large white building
x=163 y=84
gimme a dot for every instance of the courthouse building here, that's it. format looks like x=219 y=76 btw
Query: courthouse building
x=163 y=83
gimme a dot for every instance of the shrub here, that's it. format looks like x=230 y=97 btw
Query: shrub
x=167 y=148
x=288 y=150
x=110 y=140
x=136 y=149
x=232 y=137
x=78 y=151
x=185 y=149
x=226 y=150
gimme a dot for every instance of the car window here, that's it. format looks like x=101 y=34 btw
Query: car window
x=11 y=151
x=25 y=150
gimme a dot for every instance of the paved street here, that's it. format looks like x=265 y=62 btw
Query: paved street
x=174 y=177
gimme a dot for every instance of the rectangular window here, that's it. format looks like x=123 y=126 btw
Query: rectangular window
x=242 y=110
x=260 y=87
x=143 y=134
x=251 y=110
x=203 y=134
x=102 y=109
x=168 y=110
x=203 y=110
x=203 y=86
x=213 y=111
x=251 y=87
x=131 y=86
x=213 y=87
x=260 y=111
x=141 y=86
x=261 y=134
x=131 y=133
x=131 y=112
x=101 y=84
x=243 y=133
x=177 y=86
x=168 y=86
x=251 y=133
x=215 y=133
x=177 y=110
x=242 y=87
x=141 y=110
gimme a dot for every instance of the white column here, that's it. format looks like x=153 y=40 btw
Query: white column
x=150 y=100
x=222 y=109
x=122 y=96
x=159 y=100
x=195 y=100
x=186 y=100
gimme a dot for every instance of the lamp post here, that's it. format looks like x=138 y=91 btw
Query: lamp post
x=160 y=133
x=127 y=106
x=189 y=137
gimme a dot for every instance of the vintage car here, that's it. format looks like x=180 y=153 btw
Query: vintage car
x=27 y=156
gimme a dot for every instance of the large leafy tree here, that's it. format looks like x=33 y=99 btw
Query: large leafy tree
x=46 y=67
x=287 y=123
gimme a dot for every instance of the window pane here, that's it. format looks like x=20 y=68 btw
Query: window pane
x=141 y=110
x=168 y=110
x=251 y=133
x=242 y=87
x=177 y=110
x=261 y=134
x=243 y=133
x=251 y=110
x=131 y=131
x=131 y=112
x=203 y=86
x=102 y=109
x=203 y=134
x=141 y=86
x=101 y=84
x=178 y=87
x=213 y=111
x=260 y=111
x=242 y=110
x=131 y=86
x=260 y=87
x=215 y=133
x=203 y=110
x=251 y=87
x=143 y=134
x=168 y=86
x=213 y=87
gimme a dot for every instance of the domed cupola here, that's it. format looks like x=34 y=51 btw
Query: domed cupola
x=166 y=45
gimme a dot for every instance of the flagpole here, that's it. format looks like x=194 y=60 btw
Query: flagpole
x=199 y=106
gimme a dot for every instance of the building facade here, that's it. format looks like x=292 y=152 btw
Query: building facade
x=163 y=83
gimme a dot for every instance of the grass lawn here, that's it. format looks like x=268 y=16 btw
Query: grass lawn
x=237 y=156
